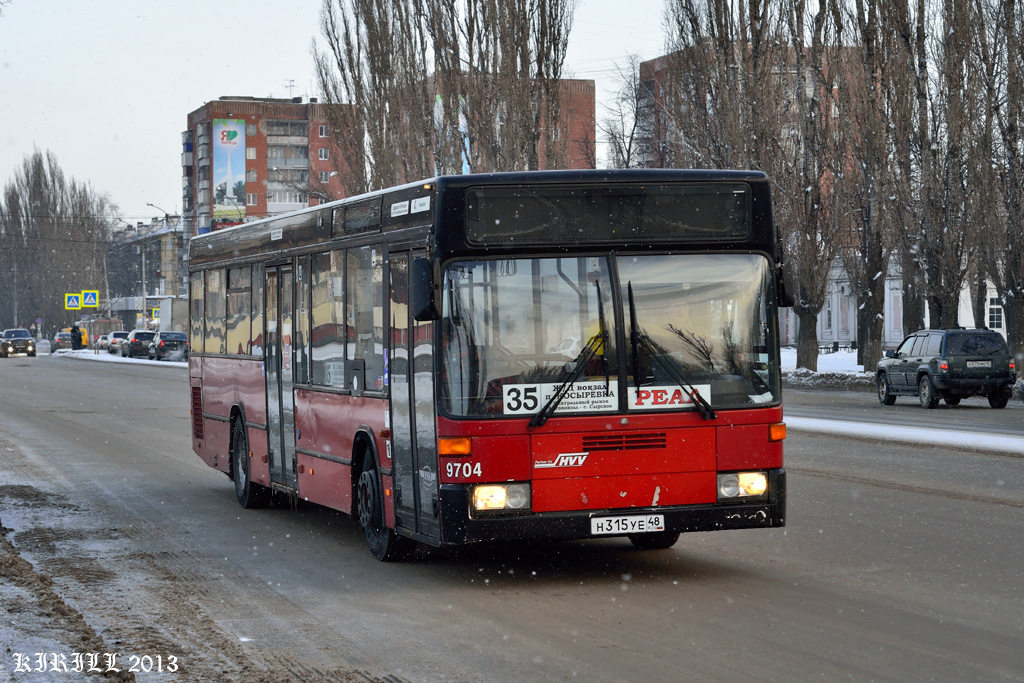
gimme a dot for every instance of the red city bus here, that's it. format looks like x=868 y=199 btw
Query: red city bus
x=544 y=355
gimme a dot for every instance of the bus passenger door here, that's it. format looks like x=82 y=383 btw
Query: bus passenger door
x=411 y=379
x=280 y=375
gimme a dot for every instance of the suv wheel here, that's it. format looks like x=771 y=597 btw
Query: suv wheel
x=926 y=392
x=885 y=395
x=999 y=400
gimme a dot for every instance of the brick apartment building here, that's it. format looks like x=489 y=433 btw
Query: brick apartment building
x=246 y=158
x=249 y=158
x=578 y=122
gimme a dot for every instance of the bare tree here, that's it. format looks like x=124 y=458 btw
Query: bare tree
x=724 y=102
x=498 y=65
x=909 y=175
x=627 y=128
x=753 y=85
x=1000 y=51
x=946 y=148
x=54 y=233
x=418 y=87
x=373 y=76
x=865 y=102
x=807 y=162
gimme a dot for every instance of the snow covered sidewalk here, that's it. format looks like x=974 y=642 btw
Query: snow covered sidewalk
x=976 y=441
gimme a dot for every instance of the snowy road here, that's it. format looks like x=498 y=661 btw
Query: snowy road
x=898 y=563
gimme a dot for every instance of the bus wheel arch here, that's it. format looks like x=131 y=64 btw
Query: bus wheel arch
x=237 y=416
x=361 y=446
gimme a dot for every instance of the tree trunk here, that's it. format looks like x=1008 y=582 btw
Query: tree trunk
x=913 y=299
x=1013 y=318
x=980 y=299
x=807 y=341
x=870 y=325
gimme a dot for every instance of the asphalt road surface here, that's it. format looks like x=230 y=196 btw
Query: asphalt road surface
x=899 y=562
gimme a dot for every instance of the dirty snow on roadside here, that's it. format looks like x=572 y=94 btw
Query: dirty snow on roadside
x=835 y=370
x=74 y=586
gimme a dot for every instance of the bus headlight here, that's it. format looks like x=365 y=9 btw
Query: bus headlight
x=741 y=485
x=501 y=497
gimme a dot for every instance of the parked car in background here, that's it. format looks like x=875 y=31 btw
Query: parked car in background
x=17 y=340
x=62 y=340
x=136 y=344
x=173 y=345
x=950 y=365
x=101 y=343
x=114 y=340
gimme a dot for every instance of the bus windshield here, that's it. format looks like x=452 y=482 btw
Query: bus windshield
x=514 y=331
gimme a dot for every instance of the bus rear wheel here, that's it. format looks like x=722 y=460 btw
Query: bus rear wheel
x=385 y=544
x=250 y=494
x=658 y=540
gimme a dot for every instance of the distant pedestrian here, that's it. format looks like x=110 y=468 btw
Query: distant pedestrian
x=76 y=338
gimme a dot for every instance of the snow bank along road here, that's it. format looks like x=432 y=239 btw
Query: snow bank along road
x=947 y=438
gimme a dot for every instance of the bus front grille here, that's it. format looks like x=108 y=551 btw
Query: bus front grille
x=623 y=442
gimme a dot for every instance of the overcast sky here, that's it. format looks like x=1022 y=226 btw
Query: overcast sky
x=106 y=85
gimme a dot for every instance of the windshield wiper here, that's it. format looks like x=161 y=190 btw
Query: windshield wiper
x=640 y=339
x=586 y=354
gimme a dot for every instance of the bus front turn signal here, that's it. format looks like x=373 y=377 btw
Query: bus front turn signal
x=454 y=446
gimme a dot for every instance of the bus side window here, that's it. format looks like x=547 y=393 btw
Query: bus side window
x=301 y=343
x=256 y=348
x=197 y=315
x=239 y=338
x=216 y=302
x=328 y=311
x=365 y=311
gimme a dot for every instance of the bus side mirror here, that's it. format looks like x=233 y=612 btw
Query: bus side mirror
x=785 y=292
x=423 y=295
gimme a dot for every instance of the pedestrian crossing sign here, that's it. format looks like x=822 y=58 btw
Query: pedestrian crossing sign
x=72 y=302
x=90 y=298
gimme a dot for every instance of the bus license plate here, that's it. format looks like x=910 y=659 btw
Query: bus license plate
x=627 y=524
x=979 y=363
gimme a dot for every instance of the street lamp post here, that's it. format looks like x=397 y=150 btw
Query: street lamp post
x=142 y=253
x=143 y=249
x=166 y=215
x=238 y=208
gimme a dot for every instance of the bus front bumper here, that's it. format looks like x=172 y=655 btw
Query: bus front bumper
x=459 y=528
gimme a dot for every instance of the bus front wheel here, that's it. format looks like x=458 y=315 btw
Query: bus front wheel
x=658 y=540
x=385 y=544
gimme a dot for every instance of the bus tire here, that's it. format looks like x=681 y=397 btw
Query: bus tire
x=658 y=540
x=385 y=544
x=250 y=494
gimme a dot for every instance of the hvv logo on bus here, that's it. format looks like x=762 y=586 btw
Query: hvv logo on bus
x=564 y=460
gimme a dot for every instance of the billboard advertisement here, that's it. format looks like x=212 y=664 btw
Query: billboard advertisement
x=229 y=169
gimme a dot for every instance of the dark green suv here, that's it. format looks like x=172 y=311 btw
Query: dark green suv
x=948 y=364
